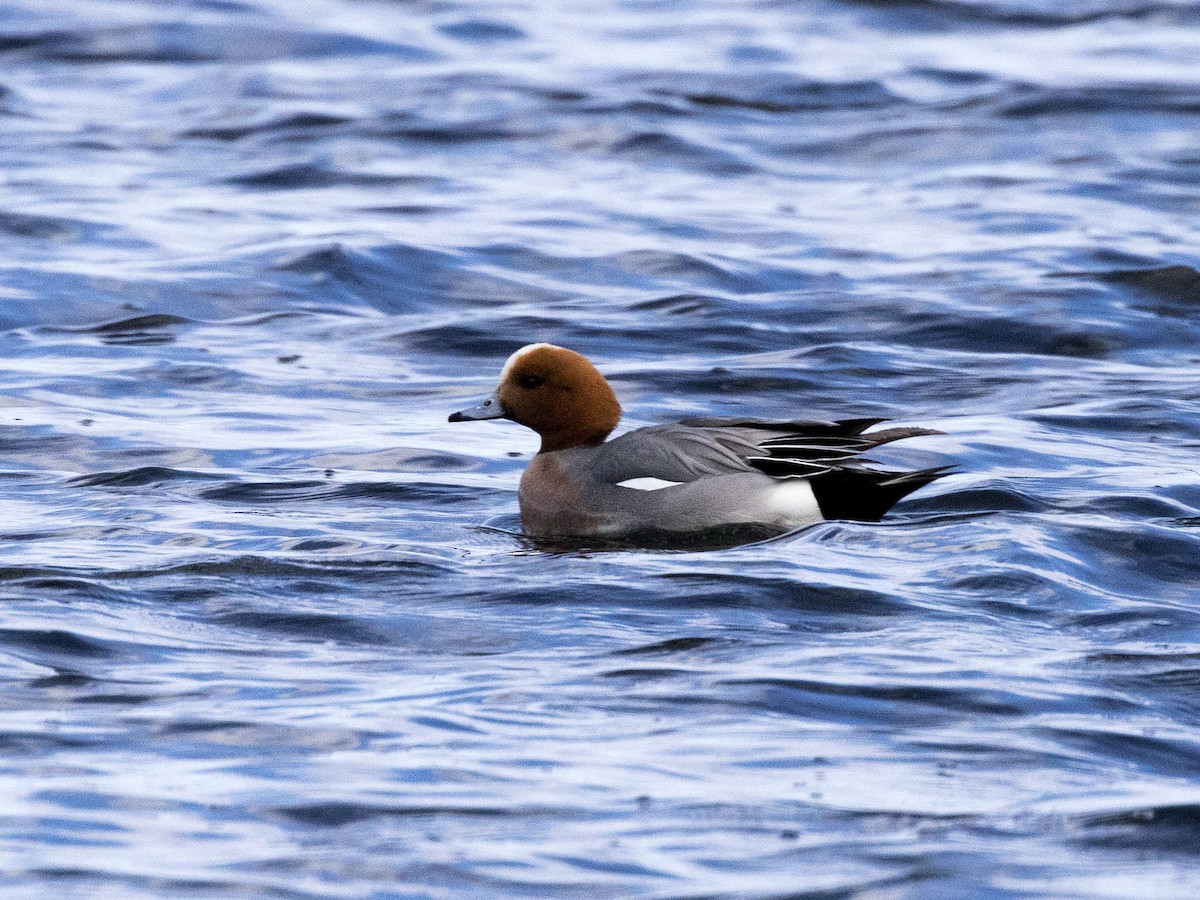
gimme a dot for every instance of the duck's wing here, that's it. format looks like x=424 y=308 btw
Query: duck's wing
x=807 y=449
x=675 y=452
x=829 y=455
x=700 y=448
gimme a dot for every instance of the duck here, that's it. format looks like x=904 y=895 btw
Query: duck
x=689 y=476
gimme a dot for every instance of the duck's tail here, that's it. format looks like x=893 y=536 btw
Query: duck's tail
x=864 y=495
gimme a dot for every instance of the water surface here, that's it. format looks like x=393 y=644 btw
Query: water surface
x=269 y=628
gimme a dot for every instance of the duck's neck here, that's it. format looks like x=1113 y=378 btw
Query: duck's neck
x=553 y=441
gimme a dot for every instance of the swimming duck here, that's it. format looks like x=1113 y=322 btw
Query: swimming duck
x=689 y=476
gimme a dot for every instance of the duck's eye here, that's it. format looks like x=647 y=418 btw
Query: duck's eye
x=530 y=381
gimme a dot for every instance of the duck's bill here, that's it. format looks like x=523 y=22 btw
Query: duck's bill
x=488 y=409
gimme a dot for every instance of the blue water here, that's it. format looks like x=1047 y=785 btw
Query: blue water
x=268 y=627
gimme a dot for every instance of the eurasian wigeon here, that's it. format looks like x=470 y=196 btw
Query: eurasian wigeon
x=690 y=476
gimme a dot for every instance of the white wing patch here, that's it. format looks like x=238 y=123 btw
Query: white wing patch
x=647 y=484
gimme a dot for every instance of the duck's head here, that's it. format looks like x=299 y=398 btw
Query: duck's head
x=554 y=391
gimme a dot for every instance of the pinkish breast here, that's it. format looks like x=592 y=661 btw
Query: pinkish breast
x=552 y=502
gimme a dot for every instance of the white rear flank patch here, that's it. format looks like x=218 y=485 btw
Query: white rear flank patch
x=793 y=501
x=647 y=484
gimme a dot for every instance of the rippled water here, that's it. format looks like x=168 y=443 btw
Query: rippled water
x=269 y=628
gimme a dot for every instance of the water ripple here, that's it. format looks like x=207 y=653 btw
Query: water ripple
x=270 y=626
